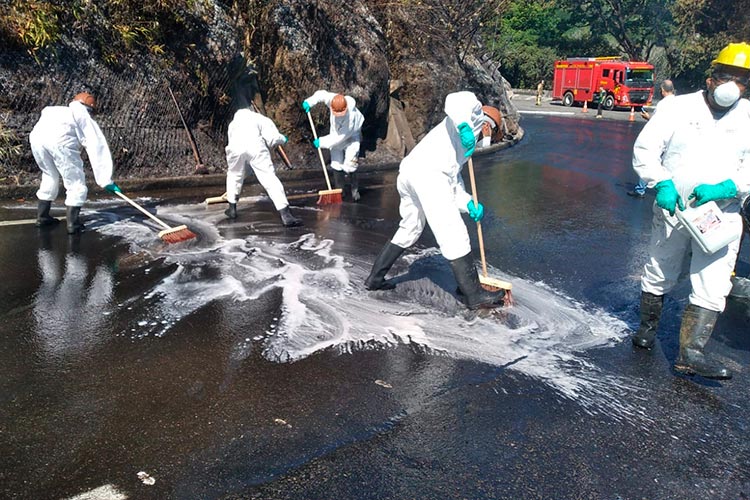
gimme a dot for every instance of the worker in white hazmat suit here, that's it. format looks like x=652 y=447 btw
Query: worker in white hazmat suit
x=344 y=136
x=56 y=142
x=250 y=137
x=432 y=191
x=695 y=151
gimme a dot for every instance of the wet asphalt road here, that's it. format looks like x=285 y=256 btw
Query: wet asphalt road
x=251 y=363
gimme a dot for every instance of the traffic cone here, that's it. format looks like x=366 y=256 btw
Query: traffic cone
x=585 y=107
x=631 y=118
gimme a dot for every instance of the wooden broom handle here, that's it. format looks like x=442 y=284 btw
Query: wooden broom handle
x=320 y=153
x=278 y=148
x=479 y=224
x=284 y=156
x=194 y=146
x=146 y=212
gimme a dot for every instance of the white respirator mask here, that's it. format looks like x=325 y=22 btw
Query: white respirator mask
x=726 y=94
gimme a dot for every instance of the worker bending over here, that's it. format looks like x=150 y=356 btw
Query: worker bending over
x=250 y=137
x=432 y=190
x=56 y=142
x=344 y=136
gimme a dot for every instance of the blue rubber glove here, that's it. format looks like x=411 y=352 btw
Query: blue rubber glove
x=305 y=106
x=286 y=139
x=113 y=188
x=667 y=196
x=703 y=193
x=316 y=143
x=467 y=138
x=476 y=213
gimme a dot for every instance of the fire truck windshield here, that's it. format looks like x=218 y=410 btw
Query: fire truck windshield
x=639 y=77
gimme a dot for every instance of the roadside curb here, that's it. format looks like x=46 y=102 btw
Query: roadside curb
x=187 y=181
x=214 y=180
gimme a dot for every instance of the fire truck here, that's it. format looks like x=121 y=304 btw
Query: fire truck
x=628 y=83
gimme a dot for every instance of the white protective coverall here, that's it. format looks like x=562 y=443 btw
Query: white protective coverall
x=345 y=132
x=686 y=143
x=56 y=142
x=250 y=137
x=430 y=183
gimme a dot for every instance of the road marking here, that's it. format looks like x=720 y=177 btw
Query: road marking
x=300 y=196
x=23 y=221
x=106 y=492
x=546 y=112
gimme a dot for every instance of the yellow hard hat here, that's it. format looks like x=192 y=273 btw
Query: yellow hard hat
x=734 y=54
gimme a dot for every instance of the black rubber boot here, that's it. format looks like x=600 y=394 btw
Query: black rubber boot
x=474 y=296
x=43 y=218
x=289 y=220
x=696 y=328
x=355 y=186
x=73 y=220
x=339 y=179
x=651 y=306
x=231 y=212
x=388 y=255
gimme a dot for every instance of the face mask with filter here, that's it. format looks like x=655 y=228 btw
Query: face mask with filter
x=726 y=94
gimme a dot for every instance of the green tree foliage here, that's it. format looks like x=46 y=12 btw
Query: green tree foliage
x=680 y=37
x=702 y=28
x=532 y=34
x=635 y=26
x=31 y=24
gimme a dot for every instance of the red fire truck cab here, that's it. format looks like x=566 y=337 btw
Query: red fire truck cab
x=628 y=83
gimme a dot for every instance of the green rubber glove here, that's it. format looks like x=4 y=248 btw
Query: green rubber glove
x=286 y=139
x=305 y=106
x=703 y=193
x=467 y=138
x=316 y=143
x=667 y=196
x=475 y=212
x=113 y=188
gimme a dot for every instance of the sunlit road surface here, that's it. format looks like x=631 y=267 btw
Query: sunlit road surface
x=252 y=363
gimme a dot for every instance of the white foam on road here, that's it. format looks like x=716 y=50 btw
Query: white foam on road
x=106 y=492
x=325 y=306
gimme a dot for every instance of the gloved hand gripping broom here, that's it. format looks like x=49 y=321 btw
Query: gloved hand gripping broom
x=327 y=196
x=489 y=284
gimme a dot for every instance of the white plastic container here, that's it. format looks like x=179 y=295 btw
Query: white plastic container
x=709 y=226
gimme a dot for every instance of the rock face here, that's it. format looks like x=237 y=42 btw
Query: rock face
x=396 y=59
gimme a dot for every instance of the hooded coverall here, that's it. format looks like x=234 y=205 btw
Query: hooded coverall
x=430 y=184
x=56 y=142
x=250 y=137
x=345 y=132
x=685 y=142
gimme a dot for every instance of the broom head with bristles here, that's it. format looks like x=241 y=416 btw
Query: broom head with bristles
x=176 y=234
x=216 y=199
x=330 y=196
x=495 y=285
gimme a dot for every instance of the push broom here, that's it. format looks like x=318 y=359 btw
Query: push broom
x=223 y=197
x=489 y=284
x=169 y=234
x=216 y=199
x=327 y=196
